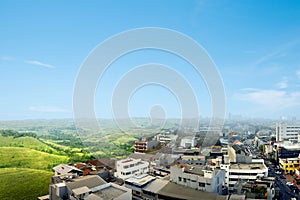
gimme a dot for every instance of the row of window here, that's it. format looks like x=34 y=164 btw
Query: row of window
x=132 y=172
x=131 y=165
x=194 y=181
x=243 y=174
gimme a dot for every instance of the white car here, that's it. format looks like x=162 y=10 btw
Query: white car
x=277 y=172
x=289 y=183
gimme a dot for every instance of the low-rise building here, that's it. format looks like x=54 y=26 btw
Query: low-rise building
x=127 y=168
x=86 y=188
x=192 y=159
x=144 y=145
x=198 y=177
x=244 y=172
x=238 y=153
x=188 y=142
x=257 y=189
x=137 y=184
x=62 y=169
x=289 y=165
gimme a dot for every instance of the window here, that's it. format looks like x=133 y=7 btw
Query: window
x=179 y=178
x=184 y=180
x=207 y=183
x=201 y=184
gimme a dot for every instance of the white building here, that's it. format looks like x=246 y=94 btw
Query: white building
x=243 y=172
x=287 y=132
x=198 y=177
x=129 y=167
x=188 y=142
x=164 y=139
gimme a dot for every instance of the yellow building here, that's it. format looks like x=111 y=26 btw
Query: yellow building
x=289 y=165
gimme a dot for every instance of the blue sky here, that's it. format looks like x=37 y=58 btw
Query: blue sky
x=254 y=44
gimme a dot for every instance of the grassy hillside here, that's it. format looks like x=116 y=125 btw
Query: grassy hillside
x=19 y=183
x=27 y=142
x=29 y=158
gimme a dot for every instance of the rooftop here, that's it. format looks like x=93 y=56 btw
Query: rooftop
x=247 y=166
x=109 y=193
x=93 y=197
x=88 y=181
x=141 y=179
x=64 y=169
x=81 y=190
x=180 y=192
x=156 y=185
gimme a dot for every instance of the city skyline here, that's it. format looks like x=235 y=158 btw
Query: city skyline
x=255 y=46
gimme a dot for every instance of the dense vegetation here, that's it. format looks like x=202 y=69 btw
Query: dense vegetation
x=16 y=134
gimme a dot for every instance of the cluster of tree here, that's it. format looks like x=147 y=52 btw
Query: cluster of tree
x=70 y=140
x=16 y=134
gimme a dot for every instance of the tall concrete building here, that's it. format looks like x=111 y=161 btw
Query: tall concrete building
x=287 y=132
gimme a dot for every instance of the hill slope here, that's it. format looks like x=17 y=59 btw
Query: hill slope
x=19 y=183
x=28 y=142
x=29 y=158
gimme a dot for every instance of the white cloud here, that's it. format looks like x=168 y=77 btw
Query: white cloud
x=38 y=63
x=49 y=109
x=270 y=99
x=283 y=83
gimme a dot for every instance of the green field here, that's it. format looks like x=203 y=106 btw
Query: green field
x=27 y=142
x=26 y=167
x=29 y=158
x=20 y=183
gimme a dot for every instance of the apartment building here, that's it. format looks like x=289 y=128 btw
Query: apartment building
x=198 y=177
x=244 y=172
x=144 y=145
x=287 y=132
x=127 y=168
x=289 y=165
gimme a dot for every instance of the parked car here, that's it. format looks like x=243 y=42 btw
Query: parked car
x=289 y=183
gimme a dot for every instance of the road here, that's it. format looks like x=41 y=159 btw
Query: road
x=286 y=192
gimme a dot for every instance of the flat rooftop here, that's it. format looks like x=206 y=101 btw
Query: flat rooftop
x=141 y=179
x=156 y=185
x=109 y=193
x=247 y=166
x=180 y=192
